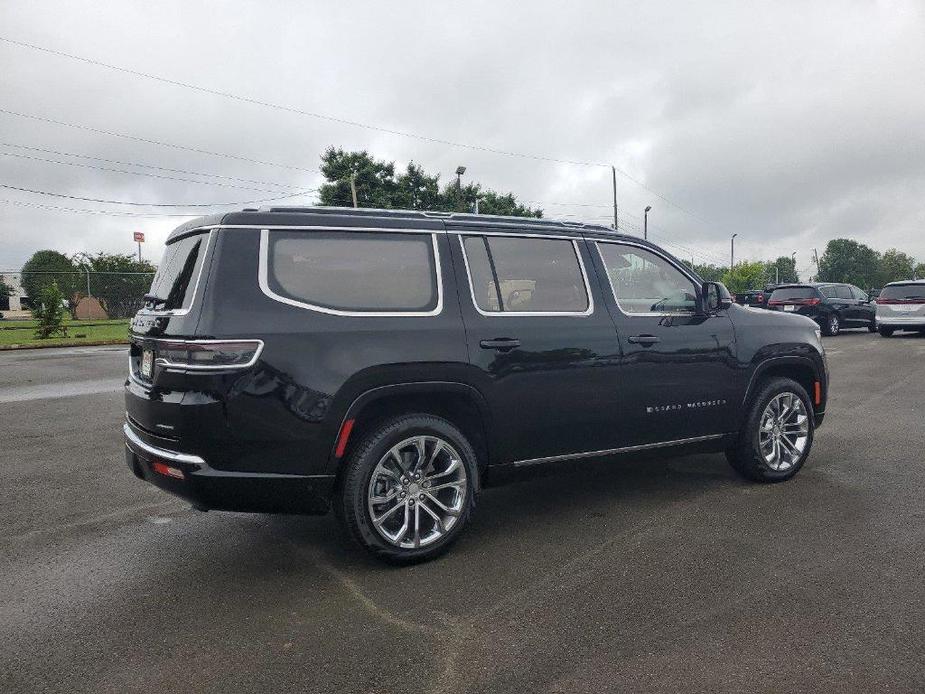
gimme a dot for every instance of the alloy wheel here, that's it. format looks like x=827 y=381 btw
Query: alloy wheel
x=784 y=431
x=417 y=492
x=834 y=325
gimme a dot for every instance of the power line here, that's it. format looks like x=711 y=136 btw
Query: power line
x=107 y=213
x=134 y=173
x=149 y=141
x=145 y=166
x=335 y=119
x=155 y=204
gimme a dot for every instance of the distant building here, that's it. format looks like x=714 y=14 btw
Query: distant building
x=17 y=301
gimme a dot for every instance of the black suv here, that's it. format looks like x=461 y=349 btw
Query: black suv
x=390 y=364
x=833 y=306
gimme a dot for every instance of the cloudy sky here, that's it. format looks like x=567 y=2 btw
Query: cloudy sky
x=789 y=123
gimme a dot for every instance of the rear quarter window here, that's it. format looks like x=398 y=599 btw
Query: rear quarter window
x=351 y=272
x=177 y=275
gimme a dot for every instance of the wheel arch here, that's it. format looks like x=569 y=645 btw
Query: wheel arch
x=800 y=369
x=459 y=403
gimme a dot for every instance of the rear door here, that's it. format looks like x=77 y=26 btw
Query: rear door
x=542 y=346
x=679 y=378
x=848 y=305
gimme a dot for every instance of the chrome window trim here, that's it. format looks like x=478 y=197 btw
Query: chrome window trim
x=613 y=290
x=205 y=252
x=612 y=451
x=133 y=442
x=525 y=234
x=584 y=276
x=263 y=270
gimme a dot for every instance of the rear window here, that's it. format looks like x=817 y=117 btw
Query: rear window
x=903 y=292
x=525 y=275
x=791 y=293
x=353 y=271
x=175 y=281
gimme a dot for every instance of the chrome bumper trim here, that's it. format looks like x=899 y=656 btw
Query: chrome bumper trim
x=136 y=445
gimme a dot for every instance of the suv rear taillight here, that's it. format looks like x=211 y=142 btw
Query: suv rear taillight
x=207 y=355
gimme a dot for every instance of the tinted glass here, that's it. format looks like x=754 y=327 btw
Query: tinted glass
x=534 y=275
x=644 y=282
x=791 y=293
x=858 y=294
x=354 y=271
x=175 y=280
x=903 y=292
x=843 y=292
x=828 y=291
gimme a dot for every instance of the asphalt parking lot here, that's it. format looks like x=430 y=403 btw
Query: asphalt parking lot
x=618 y=575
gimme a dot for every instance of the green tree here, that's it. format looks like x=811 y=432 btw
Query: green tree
x=848 y=261
x=919 y=272
x=5 y=289
x=746 y=276
x=377 y=185
x=895 y=265
x=115 y=281
x=46 y=267
x=707 y=272
x=784 y=270
x=49 y=312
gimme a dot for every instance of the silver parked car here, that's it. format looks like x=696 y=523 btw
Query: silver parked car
x=901 y=306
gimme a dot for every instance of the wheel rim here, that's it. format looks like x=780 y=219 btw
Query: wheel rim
x=784 y=431
x=833 y=324
x=417 y=491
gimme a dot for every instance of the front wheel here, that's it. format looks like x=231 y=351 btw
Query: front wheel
x=831 y=326
x=409 y=488
x=778 y=433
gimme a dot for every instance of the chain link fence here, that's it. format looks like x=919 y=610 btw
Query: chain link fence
x=92 y=295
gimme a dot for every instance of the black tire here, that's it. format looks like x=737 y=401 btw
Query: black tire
x=886 y=332
x=745 y=455
x=831 y=326
x=350 y=503
x=872 y=328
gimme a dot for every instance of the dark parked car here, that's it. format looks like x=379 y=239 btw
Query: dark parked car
x=755 y=297
x=391 y=364
x=833 y=306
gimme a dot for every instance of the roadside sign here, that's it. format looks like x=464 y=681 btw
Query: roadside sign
x=139 y=236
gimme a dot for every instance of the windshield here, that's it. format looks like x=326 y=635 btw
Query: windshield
x=903 y=292
x=175 y=281
x=792 y=293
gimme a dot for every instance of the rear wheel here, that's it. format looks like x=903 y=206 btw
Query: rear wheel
x=778 y=433
x=886 y=332
x=409 y=488
x=831 y=326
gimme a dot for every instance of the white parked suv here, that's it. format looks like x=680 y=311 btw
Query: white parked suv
x=901 y=306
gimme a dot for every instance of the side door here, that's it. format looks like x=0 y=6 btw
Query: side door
x=541 y=344
x=679 y=377
x=865 y=311
x=848 y=305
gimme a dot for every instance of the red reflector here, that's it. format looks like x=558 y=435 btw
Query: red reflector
x=342 y=439
x=818 y=392
x=167 y=471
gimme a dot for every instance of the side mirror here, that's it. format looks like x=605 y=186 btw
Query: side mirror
x=715 y=297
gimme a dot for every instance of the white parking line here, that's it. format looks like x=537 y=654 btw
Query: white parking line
x=59 y=390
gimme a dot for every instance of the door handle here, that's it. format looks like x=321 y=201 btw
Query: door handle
x=644 y=340
x=502 y=344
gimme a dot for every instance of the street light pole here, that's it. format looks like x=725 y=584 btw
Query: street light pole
x=613 y=170
x=732 y=252
x=645 y=223
x=460 y=170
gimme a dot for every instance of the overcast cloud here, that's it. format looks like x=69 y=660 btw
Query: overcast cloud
x=787 y=123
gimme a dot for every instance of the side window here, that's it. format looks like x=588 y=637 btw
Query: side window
x=858 y=294
x=843 y=292
x=828 y=291
x=644 y=282
x=525 y=275
x=350 y=271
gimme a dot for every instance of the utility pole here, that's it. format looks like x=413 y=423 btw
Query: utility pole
x=460 y=170
x=645 y=223
x=476 y=204
x=732 y=252
x=353 y=188
x=616 y=222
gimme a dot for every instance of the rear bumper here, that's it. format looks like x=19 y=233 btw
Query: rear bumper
x=902 y=322
x=206 y=488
